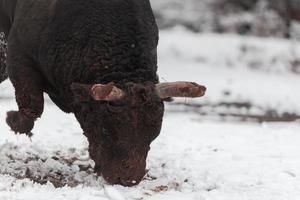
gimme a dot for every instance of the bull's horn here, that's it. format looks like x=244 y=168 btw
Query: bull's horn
x=107 y=92
x=180 y=89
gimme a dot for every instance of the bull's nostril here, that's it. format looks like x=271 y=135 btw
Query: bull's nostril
x=127 y=182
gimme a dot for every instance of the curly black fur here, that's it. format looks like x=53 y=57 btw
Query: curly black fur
x=53 y=44
x=3 y=74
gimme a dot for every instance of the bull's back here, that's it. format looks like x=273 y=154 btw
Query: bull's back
x=92 y=40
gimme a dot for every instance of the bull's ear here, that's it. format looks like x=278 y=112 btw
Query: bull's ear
x=81 y=92
x=98 y=92
x=107 y=92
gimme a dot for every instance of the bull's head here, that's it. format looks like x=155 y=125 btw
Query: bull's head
x=121 y=121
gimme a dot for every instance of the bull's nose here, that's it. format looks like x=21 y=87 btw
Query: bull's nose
x=125 y=177
x=123 y=181
x=128 y=182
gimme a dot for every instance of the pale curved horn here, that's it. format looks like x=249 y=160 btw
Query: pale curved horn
x=180 y=89
x=107 y=92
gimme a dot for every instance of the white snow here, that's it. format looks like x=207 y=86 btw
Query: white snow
x=195 y=157
x=222 y=64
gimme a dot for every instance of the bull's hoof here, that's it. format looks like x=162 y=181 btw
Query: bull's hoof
x=19 y=123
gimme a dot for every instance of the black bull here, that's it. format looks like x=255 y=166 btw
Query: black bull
x=98 y=60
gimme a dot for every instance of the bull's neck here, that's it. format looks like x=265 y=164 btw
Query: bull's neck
x=7 y=14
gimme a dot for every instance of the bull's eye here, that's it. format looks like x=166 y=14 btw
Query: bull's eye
x=105 y=133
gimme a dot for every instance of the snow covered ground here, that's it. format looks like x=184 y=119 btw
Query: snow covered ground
x=196 y=157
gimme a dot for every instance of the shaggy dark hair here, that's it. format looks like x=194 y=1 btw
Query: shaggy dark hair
x=55 y=44
x=98 y=60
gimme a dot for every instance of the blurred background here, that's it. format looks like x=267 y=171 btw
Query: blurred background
x=246 y=52
x=274 y=18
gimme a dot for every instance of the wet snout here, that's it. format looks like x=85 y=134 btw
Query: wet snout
x=126 y=172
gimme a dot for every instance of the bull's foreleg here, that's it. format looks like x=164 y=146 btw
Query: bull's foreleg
x=29 y=96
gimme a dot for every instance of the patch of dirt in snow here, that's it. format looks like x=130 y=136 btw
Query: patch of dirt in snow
x=69 y=168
